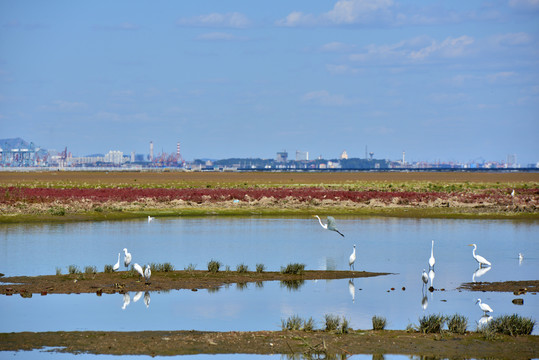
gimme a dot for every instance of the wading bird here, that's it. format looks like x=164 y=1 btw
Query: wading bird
x=150 y=218
x=352 y=259
x=138 y=269
x=520 y=258
x=480 y=260
x=147 y=274
x=127 y=258
x=432 y=261
x=513 y=193
x=117 y=265
x=331 y=225
x=484 y=306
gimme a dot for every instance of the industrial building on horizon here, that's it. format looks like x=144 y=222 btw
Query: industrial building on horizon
x=17 y=153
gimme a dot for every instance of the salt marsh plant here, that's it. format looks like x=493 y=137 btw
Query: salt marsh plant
x=431 y=324
x=378 y=322
x=294 y=322
x=73 y=269
x=511 y=325
x=295 y=269
x=332 y=322
x=344 y=326
x=213 y=266
x=190 y=267
x=90 y=270
x=242 y=268
x=58 y=271
x=108 y=269
x=165 y=267
x=457 y=324
x=260 y=268
x=308 y=325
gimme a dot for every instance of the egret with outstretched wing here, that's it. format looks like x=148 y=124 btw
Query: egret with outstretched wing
x=330 y=224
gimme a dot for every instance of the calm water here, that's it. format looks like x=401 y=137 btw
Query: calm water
x=399 y=246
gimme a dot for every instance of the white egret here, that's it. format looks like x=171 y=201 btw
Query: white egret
x=352 y=259
x=138 y=269
x=127 y=258
x=431 y=259
x=147 y=273
x=480 y=272
x=147 y=299
x=424 y=277
x=117 y=265
x=513 y=193
x=150 y=218
x=484 y=306
x=480 y=260
x=330 y=224
x=520 y=258
x=127 y=300
x=137 y=296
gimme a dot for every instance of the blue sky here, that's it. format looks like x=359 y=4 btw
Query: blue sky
x=441 y=80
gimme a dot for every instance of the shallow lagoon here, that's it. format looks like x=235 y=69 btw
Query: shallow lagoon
x=399 y=246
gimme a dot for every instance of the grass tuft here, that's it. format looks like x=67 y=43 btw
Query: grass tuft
x=457 y=324
x=73 y=269
x=108 y=269
x=308 y=325
x=378 y=322
x=344 y=327
x=295 y=269
x=511 y=325
x=191 y=267
x=213 y=266
x=90 y=270
x=332 y=322
x=294 y=322
x=242 y=268
x=431 y=324
x=58 y=271
x=165 y=267
x=260 y=268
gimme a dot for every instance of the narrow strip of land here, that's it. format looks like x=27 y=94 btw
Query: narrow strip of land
x=124 y=281
x=316 y=343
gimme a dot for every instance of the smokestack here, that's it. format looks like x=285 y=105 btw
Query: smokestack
x=151 y=150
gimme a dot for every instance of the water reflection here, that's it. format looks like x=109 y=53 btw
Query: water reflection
x=520 y=258
x=352 y=290
x=480 y=272
x=127 y=299
x=424 y=301
x=292 y=285
x=147 y=299
x=483 y=321
x=137 y=296
x=431 y=277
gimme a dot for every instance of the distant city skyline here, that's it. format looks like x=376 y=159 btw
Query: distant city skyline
x=449 y=81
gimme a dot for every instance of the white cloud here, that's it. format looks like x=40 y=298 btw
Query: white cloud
x=344 y=12
x=513 y=39
x=323 y=97
x=416 y=50
x=336 y=47
x=228 y=20
x=525 y=4
x=219 y=36
x=341 y=69
x=504 y=75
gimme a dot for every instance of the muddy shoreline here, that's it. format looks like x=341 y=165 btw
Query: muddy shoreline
x=316 y=343
x=122 y=282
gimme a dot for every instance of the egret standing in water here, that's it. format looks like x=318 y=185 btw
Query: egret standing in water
x=520 y=258
x=147 y=274
x=150 y=218
x=138 y=269
x=331 y=224
x=117 y=265
x=484 y=306
x=480 y=260
x=127 y=258
x=352 y=259
x=432 y=261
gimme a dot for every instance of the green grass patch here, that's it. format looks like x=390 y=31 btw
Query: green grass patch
x=378 y=322
x=295 y=269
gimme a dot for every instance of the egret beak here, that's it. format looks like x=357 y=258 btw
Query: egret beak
x=477 y=301
x=469 y=245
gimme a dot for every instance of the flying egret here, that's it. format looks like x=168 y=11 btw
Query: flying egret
x=127 y=258
x=150 y=218
x=424 y=277
x=147 y=273
x=484 y=306
x=138 y=269
x=480 y=260
x=352 y=259
x=431 y=259
x=117 y=265
x=330 y=225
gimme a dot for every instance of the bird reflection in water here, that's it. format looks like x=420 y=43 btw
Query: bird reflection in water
x=480 y=272
x=431 y=277
x=147 y=299
x=127 y=300
x=352 y=289
x=424 y=301
x=485 y=319
x=137 y=296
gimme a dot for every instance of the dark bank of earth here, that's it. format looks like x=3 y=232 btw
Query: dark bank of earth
x=123 y=281
x=317 y=343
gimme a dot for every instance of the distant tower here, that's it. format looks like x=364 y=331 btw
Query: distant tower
x=178 y=156
x=151 y=151
x=371 y=154
x=344 y=155
x=403 y=159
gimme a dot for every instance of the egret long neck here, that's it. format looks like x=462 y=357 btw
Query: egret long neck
x=321 y=223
